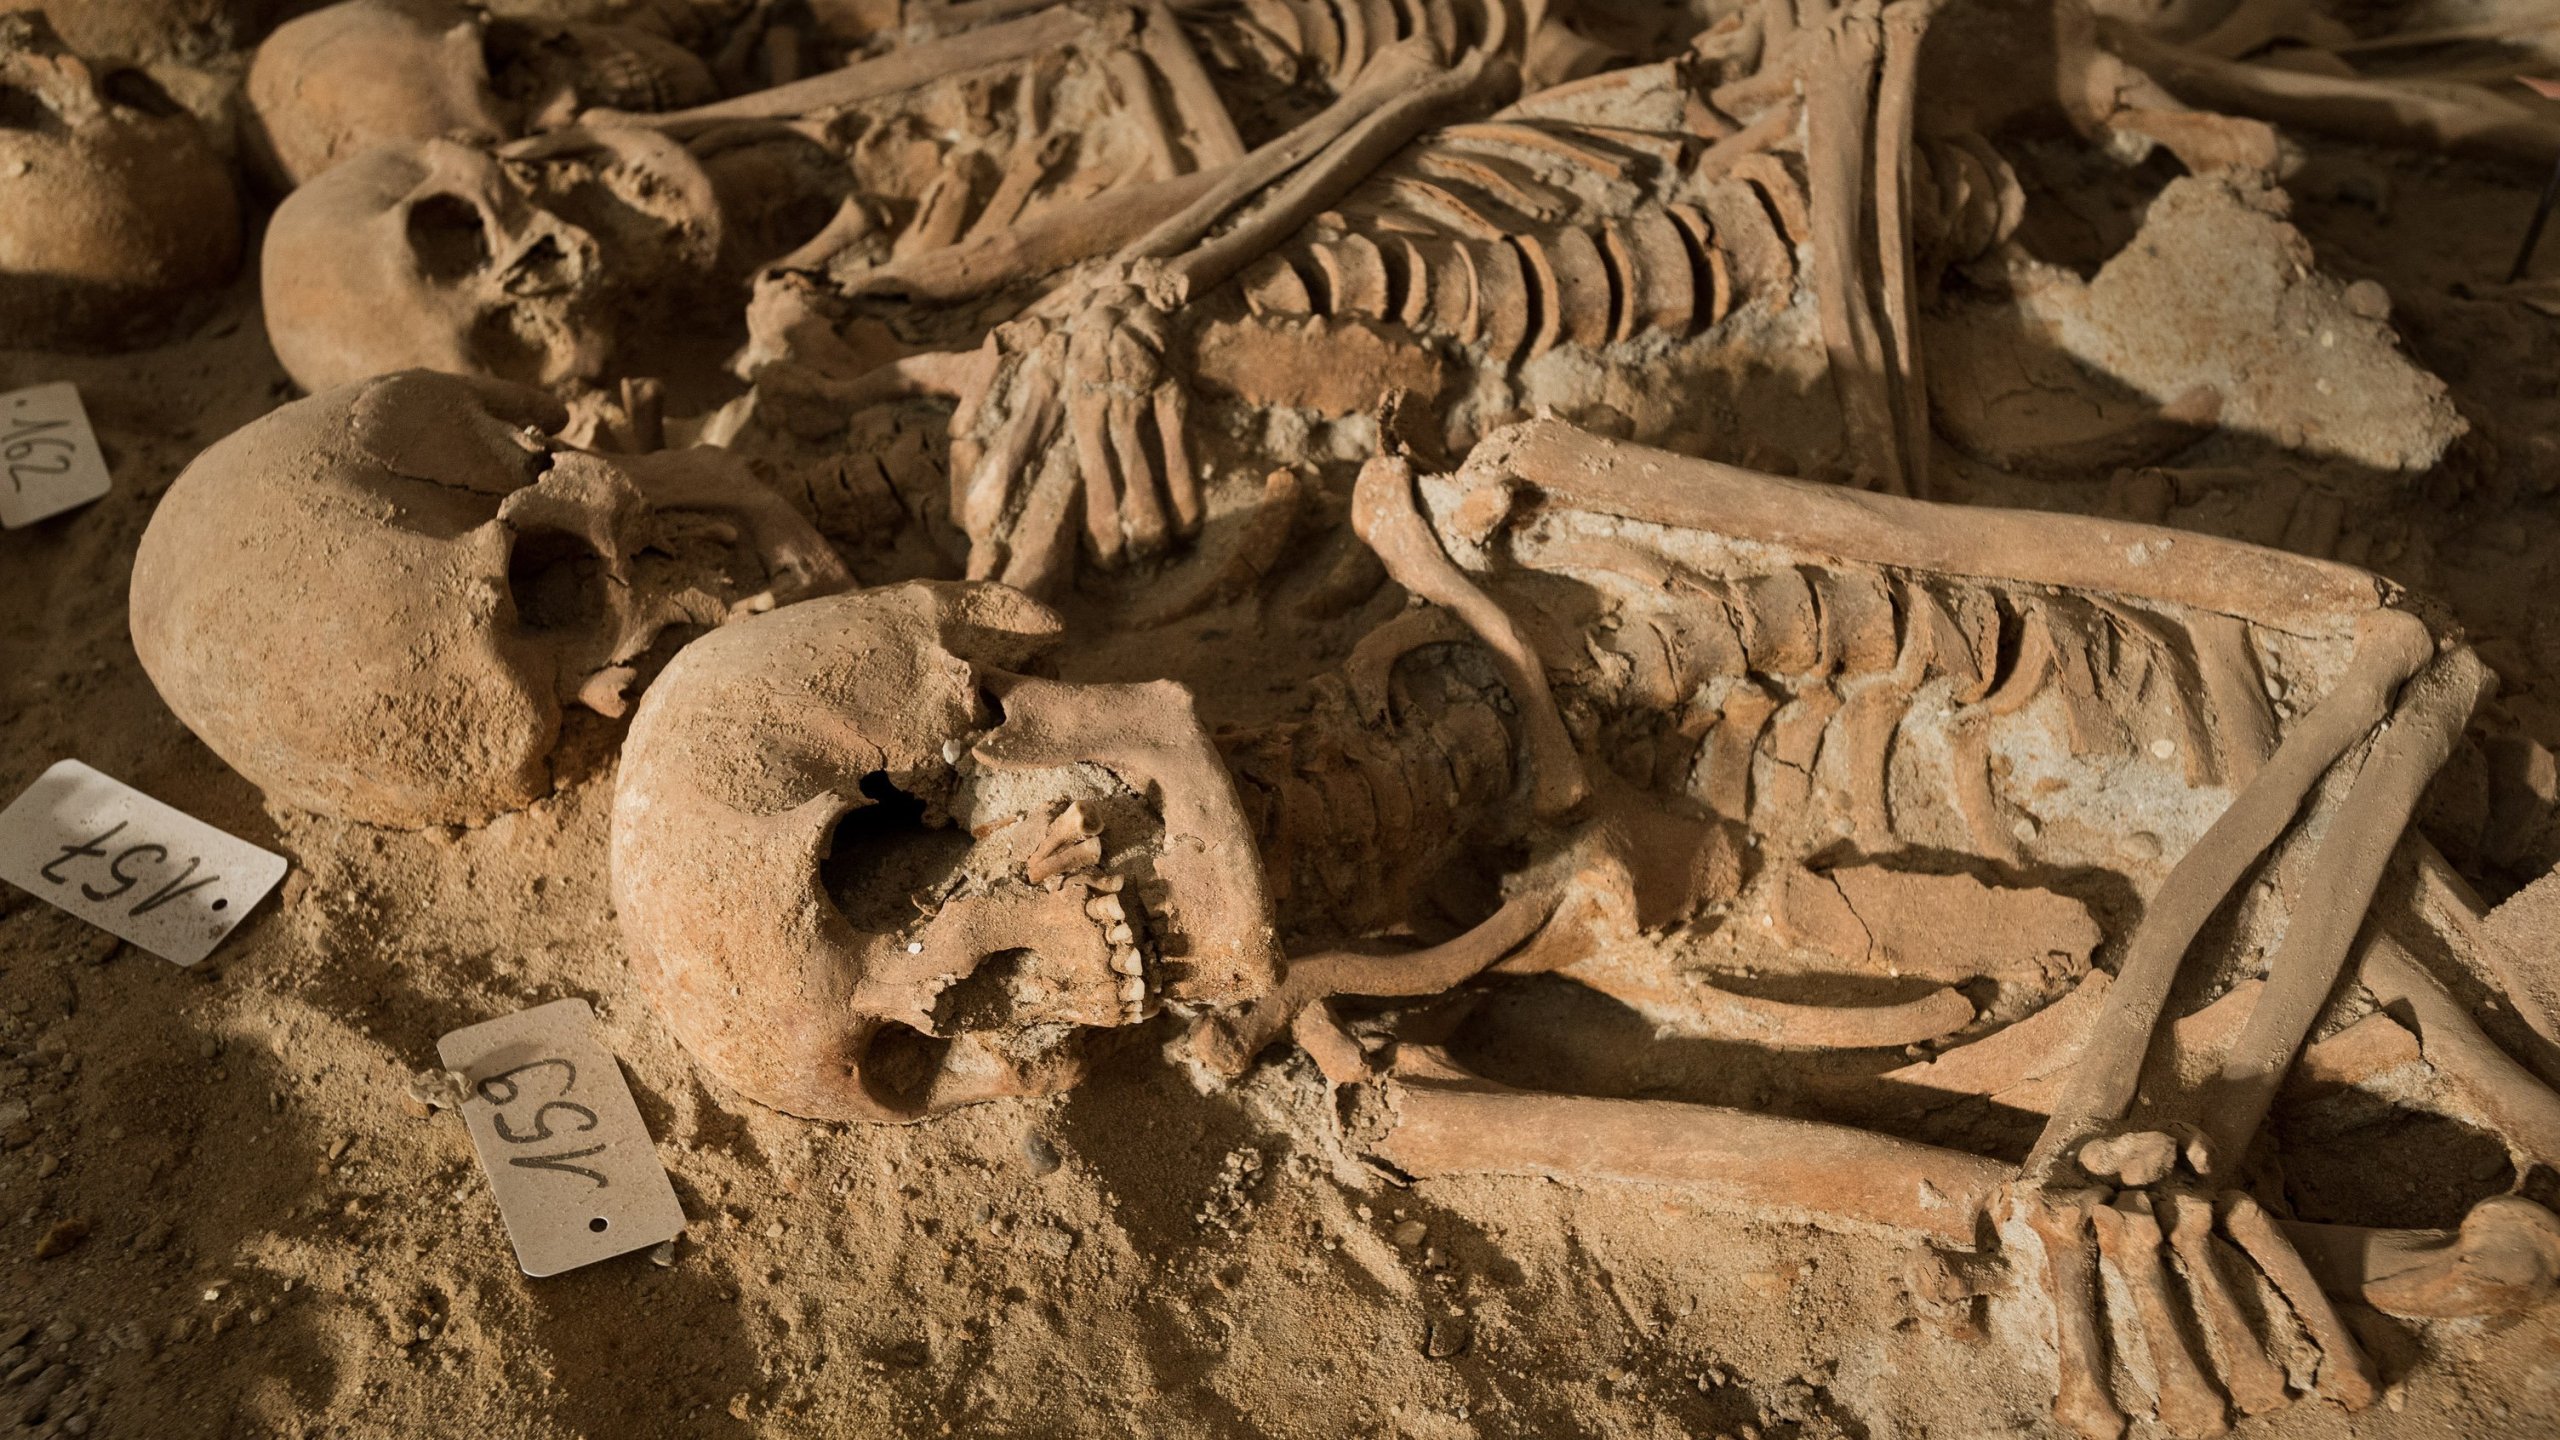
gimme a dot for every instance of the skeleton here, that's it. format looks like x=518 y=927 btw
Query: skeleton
x=1683 y=661
x=363 y=73
x=1544 y=501
x=113 y=207
x=537 y=260
x=1596 y=213
x=375 y=602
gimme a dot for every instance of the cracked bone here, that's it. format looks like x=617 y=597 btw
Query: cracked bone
x=2253 y=1381
x=2060 y=1223
x=2129 y=1243
x=2346 y=1373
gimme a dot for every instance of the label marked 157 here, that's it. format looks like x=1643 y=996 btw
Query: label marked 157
x=576 y=1175
x=49 y=460
x=130 y=865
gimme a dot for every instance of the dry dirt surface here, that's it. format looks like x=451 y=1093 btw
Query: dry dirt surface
x=228 y=1207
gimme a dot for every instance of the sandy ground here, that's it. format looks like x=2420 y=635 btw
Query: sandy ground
x=267 y=1236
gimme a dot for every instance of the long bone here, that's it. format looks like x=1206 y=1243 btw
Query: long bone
x=2344 y=874
x=2438 y=117
x=1430 y=1117
x=1843 y=48
x=2390 y=646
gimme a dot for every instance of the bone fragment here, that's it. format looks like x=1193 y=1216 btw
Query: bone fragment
x=2144 y=1157
x=1384 y=515
x=2390 y=646
x=2337 y=891
x=2346 y=1375
x=2080 y=1401
x=2504 y=1261
x=2253 y=1381
x=1439 y=1120
x=2129 y=1242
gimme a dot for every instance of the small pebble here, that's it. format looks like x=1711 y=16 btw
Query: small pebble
x=1410 y=1234
x=62 y=1239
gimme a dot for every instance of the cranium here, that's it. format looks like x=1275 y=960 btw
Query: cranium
x=112 y=205
x=373 y=602
x=340 y=81
x=525 y=265
x=869 y=870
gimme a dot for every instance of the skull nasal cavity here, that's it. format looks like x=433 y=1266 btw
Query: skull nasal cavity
x=447 y=236
x=899 y=1065
x=558 y=582
x=885 y=864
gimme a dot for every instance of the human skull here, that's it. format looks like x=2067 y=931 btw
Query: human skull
x=525 y=265
x=146 y=30
x=869 y=870
x=112 y=205
x=374 y=602
x=342 y=80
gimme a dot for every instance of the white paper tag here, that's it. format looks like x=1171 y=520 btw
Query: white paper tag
x=130 y=865
x=49 y=460
x=576 y=1175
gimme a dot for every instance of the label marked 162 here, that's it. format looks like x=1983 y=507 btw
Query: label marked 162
x=576 y=1175
x=130 y=865
x=49 y=460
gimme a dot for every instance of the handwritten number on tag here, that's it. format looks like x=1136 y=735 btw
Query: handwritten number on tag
x=504 y=1081
x=19 y=451
x=96 y=847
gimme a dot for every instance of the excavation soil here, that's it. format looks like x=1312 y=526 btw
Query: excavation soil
x=221 y=1206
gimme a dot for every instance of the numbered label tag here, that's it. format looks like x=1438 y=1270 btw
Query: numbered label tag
x=576 y=1175
x=49 y=460
x=130 y=865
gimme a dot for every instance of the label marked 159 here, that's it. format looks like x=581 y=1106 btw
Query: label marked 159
x=130 y=865
x=49 y=459
x=576 y=1175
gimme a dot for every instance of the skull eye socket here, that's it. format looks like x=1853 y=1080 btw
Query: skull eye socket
x=558 y=582
x=448 y=238
x=886 y=859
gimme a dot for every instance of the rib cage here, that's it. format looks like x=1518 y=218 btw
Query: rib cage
x=1792 y=695
x=1520 y=235
x=1335 y=38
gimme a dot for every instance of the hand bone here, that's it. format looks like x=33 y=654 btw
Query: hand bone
x=1074 y=414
